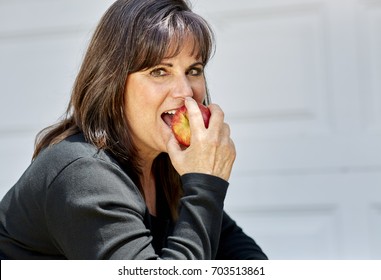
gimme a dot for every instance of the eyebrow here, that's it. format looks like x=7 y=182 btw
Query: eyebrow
x=165 y=64
x=197 y=63
x=190 y=66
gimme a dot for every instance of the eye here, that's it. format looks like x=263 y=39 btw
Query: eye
x=158 y=72
x=195 y=71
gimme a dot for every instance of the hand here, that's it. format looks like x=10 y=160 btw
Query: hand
x=211 y=151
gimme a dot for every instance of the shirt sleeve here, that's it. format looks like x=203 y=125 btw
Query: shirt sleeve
x=94 y=211
x=235 y=244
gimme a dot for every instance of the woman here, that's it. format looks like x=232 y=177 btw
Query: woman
x=110 y=181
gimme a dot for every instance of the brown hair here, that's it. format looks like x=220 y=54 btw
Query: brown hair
x=131 y=36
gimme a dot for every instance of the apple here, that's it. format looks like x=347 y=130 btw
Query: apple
x=180 y=123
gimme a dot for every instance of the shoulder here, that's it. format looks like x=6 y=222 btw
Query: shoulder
x=82 y=174
x=57 y=157
x=76 y=163
x=69 y=150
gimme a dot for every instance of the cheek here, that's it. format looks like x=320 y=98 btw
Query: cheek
x=199 y=92
x=134 y=110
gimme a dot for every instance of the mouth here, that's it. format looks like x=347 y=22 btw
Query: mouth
x=167 y=117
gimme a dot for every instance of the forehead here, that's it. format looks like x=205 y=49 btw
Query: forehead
x=188 y=45
x=167 y=41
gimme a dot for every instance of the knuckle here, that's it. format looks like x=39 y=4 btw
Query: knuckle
x=217 y=111
x=220 y=114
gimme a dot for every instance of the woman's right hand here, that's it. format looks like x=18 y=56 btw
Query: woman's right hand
x=211 y=150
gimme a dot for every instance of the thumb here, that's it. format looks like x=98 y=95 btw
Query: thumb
x=173 y=146
x=175 y=154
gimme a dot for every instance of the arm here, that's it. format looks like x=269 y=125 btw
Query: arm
x=197 y=231
x=235 y=244
x=94 y=211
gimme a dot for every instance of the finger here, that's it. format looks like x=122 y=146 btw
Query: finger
x=196 y=122
x=226 y=131
x=217 y=115
x=173 y=145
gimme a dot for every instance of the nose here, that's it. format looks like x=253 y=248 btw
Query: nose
x=182 y=87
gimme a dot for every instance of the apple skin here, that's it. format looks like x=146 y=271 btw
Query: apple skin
x=180 y=123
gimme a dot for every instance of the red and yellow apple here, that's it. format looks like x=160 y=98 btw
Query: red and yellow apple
x=180 y=123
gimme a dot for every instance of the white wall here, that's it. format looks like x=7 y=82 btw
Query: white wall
x=41 y=46
x=300 y=84
x=299 y=81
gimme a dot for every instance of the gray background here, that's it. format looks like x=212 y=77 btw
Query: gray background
x=299 y=81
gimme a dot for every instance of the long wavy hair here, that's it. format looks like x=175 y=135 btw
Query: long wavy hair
x=132 y=35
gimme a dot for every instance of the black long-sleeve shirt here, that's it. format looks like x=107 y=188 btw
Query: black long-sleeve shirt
x=76 y=202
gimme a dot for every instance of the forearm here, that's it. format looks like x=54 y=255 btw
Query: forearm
x=196 y=233
x=235 y=244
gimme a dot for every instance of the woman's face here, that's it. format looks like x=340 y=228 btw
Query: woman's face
x=152 y=93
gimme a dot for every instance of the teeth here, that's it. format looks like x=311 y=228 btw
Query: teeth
x=172 y=112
